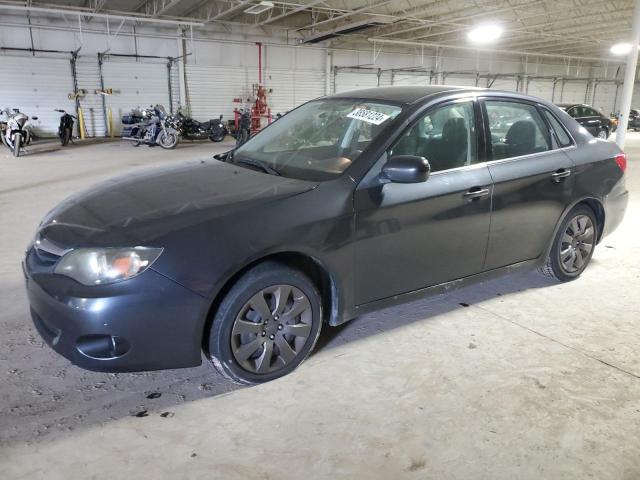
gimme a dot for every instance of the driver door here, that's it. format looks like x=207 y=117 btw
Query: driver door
x=412 y=236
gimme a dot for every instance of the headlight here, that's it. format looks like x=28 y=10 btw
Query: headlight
x=99 y=266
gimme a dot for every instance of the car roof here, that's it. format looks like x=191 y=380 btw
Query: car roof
x=402 y=94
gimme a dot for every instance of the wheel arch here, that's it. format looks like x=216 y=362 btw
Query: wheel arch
x=594 y=204
x=311 y=266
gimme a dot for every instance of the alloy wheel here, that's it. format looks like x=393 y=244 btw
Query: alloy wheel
x=271 y=329
x=602 y=134
x=576 y=243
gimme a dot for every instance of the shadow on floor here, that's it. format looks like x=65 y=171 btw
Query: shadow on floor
x=67 y=398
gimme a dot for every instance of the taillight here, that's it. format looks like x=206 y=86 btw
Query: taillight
x=621 y=160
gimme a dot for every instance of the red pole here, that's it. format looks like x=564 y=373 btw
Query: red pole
x=259 y=62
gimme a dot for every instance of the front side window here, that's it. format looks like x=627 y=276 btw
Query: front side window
x=319 y=140
x=516 y=129
x=446 y=137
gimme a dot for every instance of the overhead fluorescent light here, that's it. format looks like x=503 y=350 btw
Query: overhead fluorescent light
x=621 y=48
x=348 y=28
x=484 y=34
x=259 y=8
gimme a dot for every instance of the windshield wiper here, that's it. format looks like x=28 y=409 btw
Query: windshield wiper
x=257 y=164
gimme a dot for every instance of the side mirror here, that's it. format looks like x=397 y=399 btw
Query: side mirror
x=406 y=169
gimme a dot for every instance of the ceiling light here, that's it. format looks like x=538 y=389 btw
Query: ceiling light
x=621 y=48
x=258 y=8
x=483 y=34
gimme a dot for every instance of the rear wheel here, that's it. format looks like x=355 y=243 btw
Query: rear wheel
x=573 y=246
x=603 y=134
x=17 y=144
x=266 y=325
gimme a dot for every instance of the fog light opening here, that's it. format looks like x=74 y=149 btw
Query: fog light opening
x=102 y=346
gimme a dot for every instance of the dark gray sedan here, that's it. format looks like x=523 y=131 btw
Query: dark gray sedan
x=347 y=204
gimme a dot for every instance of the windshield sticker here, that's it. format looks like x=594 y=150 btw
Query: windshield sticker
x=368 y=116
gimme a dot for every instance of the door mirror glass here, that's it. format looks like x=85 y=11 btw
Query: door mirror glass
x=406 y=169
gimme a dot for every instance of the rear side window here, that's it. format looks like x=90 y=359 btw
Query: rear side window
x=516 y=129
x=563 y=138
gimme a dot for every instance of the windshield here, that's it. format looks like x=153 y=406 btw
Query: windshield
x=319 y=140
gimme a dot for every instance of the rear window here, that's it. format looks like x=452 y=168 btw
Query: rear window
x=564 y=140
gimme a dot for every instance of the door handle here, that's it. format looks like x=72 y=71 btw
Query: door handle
x=560 y=174
x=476 y=192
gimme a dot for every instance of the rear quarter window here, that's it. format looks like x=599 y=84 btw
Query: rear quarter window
x=563 y=138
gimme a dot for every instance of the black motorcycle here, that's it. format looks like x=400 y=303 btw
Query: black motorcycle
x=244 y=127
x=191 y=129
x=65 y=129
x=156 y=128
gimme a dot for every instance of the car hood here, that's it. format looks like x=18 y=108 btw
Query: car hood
x=141 y=207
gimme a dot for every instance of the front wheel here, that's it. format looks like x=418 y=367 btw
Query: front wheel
x=168 y=140
x=603 y=134
x=65 y=137
x=266 y=325
x=573 y=246
x=17 y=143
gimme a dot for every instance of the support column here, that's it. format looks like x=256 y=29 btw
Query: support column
x=629 y=77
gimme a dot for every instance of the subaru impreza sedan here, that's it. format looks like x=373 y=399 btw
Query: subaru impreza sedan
x=347 y=204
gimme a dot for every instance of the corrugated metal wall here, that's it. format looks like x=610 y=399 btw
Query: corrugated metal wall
x=37 y=86
x=604 y=98
x=573 y=92
x=413 y=79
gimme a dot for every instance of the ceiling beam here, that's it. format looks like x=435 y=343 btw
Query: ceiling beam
x=291 y=12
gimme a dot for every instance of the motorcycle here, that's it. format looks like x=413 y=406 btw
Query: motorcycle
x=244 y=127
x=156 y=128
x=191 y=129
x=16 y=131
x=65 y=129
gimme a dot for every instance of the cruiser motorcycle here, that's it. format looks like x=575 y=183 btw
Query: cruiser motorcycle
x=191 y=129
x=65 y=129
x=15 y=130
x=156 y=128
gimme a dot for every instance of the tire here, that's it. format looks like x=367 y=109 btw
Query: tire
x=168 y=140
x=603 y=134
x=216 y=139
x=17 y=143
x=239 y=339
x=572 y=250
x=66 y=136
x=136 y=144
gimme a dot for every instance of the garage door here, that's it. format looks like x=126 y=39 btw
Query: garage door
x=543 y=88
x=345 y=80
x=605 y=97
x=574 y=92
x=88 y=73
x=508 y=84
x=410 y=79
x=135 y=85
x=460 y=81
x=289 y=88
x=37 y=86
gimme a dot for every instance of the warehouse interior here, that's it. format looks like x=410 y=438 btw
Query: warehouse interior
x=515 y=377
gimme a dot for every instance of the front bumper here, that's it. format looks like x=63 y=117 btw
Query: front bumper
x=146 y=323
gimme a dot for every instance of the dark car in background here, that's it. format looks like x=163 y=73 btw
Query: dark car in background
x=346 y=205
x=596 y=123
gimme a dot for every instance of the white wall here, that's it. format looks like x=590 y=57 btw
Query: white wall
x=222 y=66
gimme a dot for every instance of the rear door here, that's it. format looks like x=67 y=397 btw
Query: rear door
x=533 y=181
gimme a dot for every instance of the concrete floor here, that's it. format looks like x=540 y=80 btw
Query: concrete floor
x=519 y=377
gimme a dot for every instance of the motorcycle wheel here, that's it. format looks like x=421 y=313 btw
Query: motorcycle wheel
x=136 y=144
x=216 y=139
x=168 y=141
x=17 y=143
x=66 y=136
